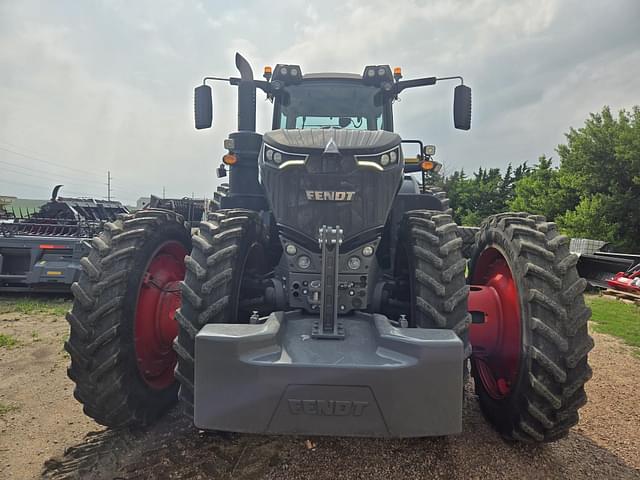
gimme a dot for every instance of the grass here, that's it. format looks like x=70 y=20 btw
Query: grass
x=4 y=408
x=616 y=318
x=51 y=306
x=7 y=341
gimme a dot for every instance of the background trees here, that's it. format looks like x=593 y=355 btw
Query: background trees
x=593 y=193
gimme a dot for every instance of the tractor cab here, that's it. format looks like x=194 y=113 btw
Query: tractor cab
x=331 y=100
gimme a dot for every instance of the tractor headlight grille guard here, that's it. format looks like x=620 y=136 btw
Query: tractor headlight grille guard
x=281 y=159
x=380 y=161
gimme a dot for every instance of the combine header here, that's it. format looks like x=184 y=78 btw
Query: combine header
x=42 y=252
x=327 y=293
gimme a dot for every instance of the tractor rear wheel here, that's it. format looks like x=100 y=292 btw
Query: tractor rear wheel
x=221 y=191
x=224 y=283
x=468 y=235
x=430 y=272
x=530 y=350
x=122 y=320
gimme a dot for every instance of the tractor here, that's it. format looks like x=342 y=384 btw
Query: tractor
x=326 y=293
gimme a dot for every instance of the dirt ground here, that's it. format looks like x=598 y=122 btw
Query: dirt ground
x=45 y=434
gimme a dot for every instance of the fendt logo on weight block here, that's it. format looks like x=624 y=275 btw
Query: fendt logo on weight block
x=330 y=196
x=338 y=408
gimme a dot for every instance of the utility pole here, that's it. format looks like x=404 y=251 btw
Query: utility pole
x=163 y=189
x=109 y=186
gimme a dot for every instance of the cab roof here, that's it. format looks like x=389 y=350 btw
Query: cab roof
x=337 y=75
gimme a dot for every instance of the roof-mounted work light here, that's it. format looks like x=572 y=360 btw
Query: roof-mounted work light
x=287 y=74
x=379 y=76
x=376 y=74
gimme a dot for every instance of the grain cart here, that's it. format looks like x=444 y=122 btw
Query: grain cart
x=327 y=295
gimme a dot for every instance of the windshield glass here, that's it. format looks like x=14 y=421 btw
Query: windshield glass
x=330 y=104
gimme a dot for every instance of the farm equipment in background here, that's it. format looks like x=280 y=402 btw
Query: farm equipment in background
x=191 y=209
x=42 y=252
x=628 y=281
x=5 y=215
x=599 y=265
x=326 y=294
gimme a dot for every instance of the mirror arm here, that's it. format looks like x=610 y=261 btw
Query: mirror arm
x=418 y=82
x=457 y=77
x=261 y=84
x=421 y=82
x=204 y=80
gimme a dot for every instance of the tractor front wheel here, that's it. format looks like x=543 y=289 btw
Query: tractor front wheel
x=122 y=320
x=529 y=332
x=224 y=283
x=430 y=273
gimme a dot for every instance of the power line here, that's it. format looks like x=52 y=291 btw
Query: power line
x=53 y=174
x=129 y=190
x=35 y=175
x=37 y=159
x=39 y=188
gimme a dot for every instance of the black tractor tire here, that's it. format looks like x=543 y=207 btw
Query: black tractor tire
x=468 y=236
x=429 y=258
x=223 y=248
x=441 y=195
x=221 y=191
x=101 y=344
x=543 y=403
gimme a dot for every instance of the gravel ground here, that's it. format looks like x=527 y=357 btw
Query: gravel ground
x=47 y=435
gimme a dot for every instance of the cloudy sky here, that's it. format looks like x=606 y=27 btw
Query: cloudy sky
x=87 y=87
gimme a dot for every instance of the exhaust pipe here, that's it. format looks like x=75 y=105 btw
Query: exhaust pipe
x=246 y=96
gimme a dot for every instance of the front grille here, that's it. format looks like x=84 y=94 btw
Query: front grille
x=330 y=164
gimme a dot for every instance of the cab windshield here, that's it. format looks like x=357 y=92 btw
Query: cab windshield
x=330 y=104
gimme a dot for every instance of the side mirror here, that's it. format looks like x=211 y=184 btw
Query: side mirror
x=462 y=107
x=203 y=107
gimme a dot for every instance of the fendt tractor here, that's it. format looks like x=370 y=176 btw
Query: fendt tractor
x=327 y=293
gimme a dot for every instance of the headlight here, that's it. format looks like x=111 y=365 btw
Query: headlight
x=381 y=160
x=304 y=262
x=354 y=263
x=280 y=159
x=291 y=249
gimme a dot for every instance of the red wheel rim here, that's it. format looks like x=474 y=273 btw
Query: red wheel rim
x=497 y=340
x=155 y=324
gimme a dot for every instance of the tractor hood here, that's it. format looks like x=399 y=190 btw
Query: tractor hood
x=348 y=141
x=358 y=198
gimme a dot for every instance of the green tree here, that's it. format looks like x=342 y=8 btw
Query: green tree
x=590 y=219
x=487 y=192
x=601 y=164
x=539 y=191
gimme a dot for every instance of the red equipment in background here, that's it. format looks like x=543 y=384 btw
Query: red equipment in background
x=628 y=281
